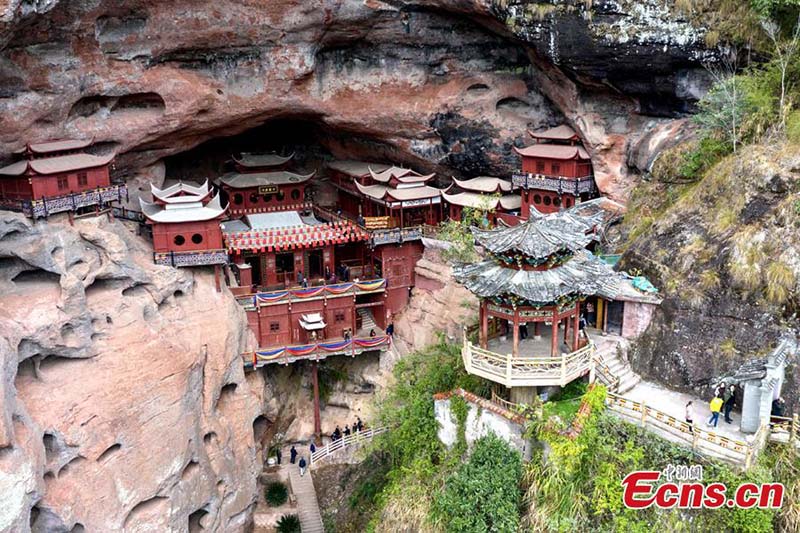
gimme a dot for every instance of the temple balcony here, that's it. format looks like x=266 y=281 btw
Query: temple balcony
x=321 y=292
x=316 y=351
x=533 y=367
x=50 y=205
x=575 y=186
x=191 y=259
x=381 y=229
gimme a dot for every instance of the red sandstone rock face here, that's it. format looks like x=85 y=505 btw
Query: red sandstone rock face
x=125 y=404
x=448 y=86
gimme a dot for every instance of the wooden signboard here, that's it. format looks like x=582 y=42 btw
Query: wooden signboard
x=267 y=189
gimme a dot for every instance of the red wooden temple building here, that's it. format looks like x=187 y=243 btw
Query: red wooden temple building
x=261 y=192
x=556 y=171
x=482 y=193
x=185 y=220
x=57 y=176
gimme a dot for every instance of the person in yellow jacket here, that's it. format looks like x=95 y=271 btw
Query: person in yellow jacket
x=716 y=407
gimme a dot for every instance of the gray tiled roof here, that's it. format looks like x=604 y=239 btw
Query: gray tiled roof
x=583 y=273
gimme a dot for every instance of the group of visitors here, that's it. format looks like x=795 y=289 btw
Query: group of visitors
x=337 y=434
x=722 y=403
x=302 y=464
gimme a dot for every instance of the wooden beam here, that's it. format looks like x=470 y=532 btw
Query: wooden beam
x=315 y=383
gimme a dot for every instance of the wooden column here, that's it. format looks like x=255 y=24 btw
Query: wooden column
x=576 y=325
x=483 y=336
x=554 y=336
x=566 y=330
x=536 y=328
x=401 y=218
x=217 y=275
x=315 y=384
x=515 y=348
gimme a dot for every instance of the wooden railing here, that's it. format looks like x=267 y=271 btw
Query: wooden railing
x=354 y=439
x=701 y=440
x=785 y=430
x=527 y=371
x=605 y=375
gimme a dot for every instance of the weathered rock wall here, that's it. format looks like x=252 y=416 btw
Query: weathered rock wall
x=448 y=86
x=439 y=305
x=124 y=401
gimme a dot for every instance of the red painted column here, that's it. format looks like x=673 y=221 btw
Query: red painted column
x=315 y=383
x=484 y=333
x=554 y=336
x=566 y=330
x=576 y=325
x=515 y=350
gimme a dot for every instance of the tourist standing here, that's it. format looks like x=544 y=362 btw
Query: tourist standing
x=728 y=398
x=716 y=407
x=390 y=329
x=278 y=455
x=690 y=416
x=359 y=423
x=591 y=316
x=346 y=431
x=292 y=455
x=313 y=448
x=302 y=466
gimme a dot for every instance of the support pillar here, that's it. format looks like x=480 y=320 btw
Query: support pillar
x=315 y=384
x=515 y=349
x=554 y=336
x=576 y=326
x=536 y=329
x=484 y=332
x=566 y=330
x=217 y=274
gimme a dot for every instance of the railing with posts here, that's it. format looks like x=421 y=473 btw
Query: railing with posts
x=605 y=375
x=45 y=206
x=785 y=430
x=514 y=371
x=189 y=259
x=354 y=439
x=378 y=235
x=701 y=440
x=575 y=186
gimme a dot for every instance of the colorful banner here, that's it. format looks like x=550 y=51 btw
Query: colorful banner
x=307 y=349
x=310 y=292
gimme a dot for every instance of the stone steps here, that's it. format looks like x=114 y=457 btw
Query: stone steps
x=621 y=370
x=306 y=496
x=367 y=322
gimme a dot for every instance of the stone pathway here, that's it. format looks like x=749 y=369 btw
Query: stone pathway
x=674 y=403
x=303 y=489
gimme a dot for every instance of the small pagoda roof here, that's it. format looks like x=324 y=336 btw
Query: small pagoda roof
x=382 y=192
x=312 y=322
x=181 y=192
x=258 y=179
x=559 y=133
x=602 y=206
x=256 y=160
x=508 y=202
x=484 y=184
x=553 y=151
x=400 y=175
x=50 y=147
x=357 y=169
x=183 y=212
x=541 y=235
x=56 y=165
x=583 y=274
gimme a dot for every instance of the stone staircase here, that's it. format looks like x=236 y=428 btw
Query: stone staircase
x=618 y=370
x=367 y=322
x=307 y=505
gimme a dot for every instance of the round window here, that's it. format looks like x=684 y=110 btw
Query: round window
x=179 y=240
x=537 y=199
x=556 y=201
x=267 y=198
x=547 y=200
x=238 y=199
x=280 y=196
x=197 y=238
x=295 y=194
x=254 y=198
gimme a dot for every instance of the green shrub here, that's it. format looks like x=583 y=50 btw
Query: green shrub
x=288 y=523
x=483 y=493
x=276 y=494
